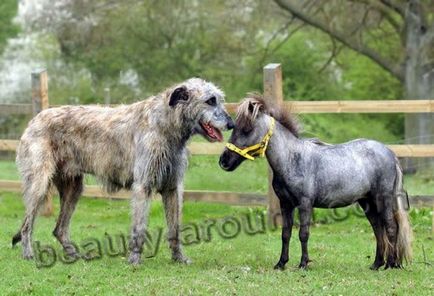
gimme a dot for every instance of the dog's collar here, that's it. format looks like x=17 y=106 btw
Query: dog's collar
x=257 y=150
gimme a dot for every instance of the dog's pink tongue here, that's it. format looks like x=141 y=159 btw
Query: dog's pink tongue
x=218 y=134
x=214 y=133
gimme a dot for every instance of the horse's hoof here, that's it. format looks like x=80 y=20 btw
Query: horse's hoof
x=376 y=266
x=303 y=266
x=392 y=265
x=134 y=259
x=279 y=266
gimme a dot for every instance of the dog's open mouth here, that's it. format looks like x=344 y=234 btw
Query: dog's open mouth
x=212 y=133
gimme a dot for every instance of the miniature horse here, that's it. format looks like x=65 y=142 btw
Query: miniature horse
x=308 y=173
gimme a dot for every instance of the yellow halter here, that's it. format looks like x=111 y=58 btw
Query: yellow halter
x=256 y=150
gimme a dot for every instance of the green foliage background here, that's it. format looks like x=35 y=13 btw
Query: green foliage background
x=8 y=10
x=222 y=42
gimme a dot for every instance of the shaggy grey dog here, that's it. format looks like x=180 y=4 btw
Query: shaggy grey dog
x=141 y=147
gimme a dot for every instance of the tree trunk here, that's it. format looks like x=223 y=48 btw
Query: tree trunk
x=419 y=83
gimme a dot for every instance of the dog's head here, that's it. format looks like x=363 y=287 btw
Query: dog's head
x=202 y=104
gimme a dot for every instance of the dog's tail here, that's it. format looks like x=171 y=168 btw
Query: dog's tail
x=405 y=234
x=16 y=238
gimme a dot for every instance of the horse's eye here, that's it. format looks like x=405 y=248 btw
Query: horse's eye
x=212 y=101
x=246 y=131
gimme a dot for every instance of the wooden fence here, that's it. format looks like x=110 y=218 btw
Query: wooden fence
x=273 y=92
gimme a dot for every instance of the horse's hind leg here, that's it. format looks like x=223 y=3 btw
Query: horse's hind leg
x=391 y=230
x=70 y=189
x=374 y=218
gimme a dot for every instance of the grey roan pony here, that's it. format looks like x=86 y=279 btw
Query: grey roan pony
x=308 y=173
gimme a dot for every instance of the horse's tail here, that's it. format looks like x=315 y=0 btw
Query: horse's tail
x=405 y=235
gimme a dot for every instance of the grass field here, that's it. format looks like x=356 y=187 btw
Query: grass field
x=341 y=253
x=243 y=265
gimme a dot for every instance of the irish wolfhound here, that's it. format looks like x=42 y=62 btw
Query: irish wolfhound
x=141 y=147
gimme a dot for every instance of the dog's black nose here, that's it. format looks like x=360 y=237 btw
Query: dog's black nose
x=230 y=124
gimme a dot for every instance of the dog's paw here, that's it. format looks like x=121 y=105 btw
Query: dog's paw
x=28 y=257
x=134 y=259
x=181 y=259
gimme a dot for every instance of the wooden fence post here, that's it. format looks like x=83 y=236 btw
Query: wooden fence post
x=273 y=93
x=39 y=103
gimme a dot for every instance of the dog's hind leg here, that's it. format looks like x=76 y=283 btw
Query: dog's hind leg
x=37 y=166
x=70 y=190
x=374 y=218
x=172 y=200
x=35 y=193
x=141 y=202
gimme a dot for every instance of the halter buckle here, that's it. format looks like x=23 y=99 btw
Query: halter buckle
x=257 y=149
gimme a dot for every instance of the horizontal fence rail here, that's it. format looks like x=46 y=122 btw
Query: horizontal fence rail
x=15 y=109
x=371 y=106
x=225 y=197
x=306 y=107
x=203 y=148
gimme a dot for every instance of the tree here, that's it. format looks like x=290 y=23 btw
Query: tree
x=398 y=35
x=162 y=41
x=8 y=9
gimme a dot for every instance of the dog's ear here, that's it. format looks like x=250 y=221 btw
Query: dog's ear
x=179 y=94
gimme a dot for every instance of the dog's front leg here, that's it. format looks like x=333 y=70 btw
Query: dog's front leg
x=141 y=201
x=172 y=200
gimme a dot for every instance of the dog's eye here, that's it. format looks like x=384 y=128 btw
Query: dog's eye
x=212 y=101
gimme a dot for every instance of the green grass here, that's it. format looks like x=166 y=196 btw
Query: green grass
x=341 y=253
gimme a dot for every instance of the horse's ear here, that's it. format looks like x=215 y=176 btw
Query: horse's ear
x=255 y=107
x=179 y=94
x=251 y=107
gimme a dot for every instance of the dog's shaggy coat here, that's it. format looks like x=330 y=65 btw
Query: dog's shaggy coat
x=141 y=147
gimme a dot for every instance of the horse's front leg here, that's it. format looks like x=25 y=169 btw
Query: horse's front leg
x=287 y=222
x=305 y=210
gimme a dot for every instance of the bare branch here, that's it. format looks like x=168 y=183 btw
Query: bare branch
x=385 y=11
x=289 y=35
x=393 y=68
x=395 y=6
x=335 y=51
x=269 y=51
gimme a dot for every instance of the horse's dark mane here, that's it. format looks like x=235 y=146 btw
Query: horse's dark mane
x=255 y=103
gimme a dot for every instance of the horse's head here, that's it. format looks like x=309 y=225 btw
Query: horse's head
x=249 y=138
